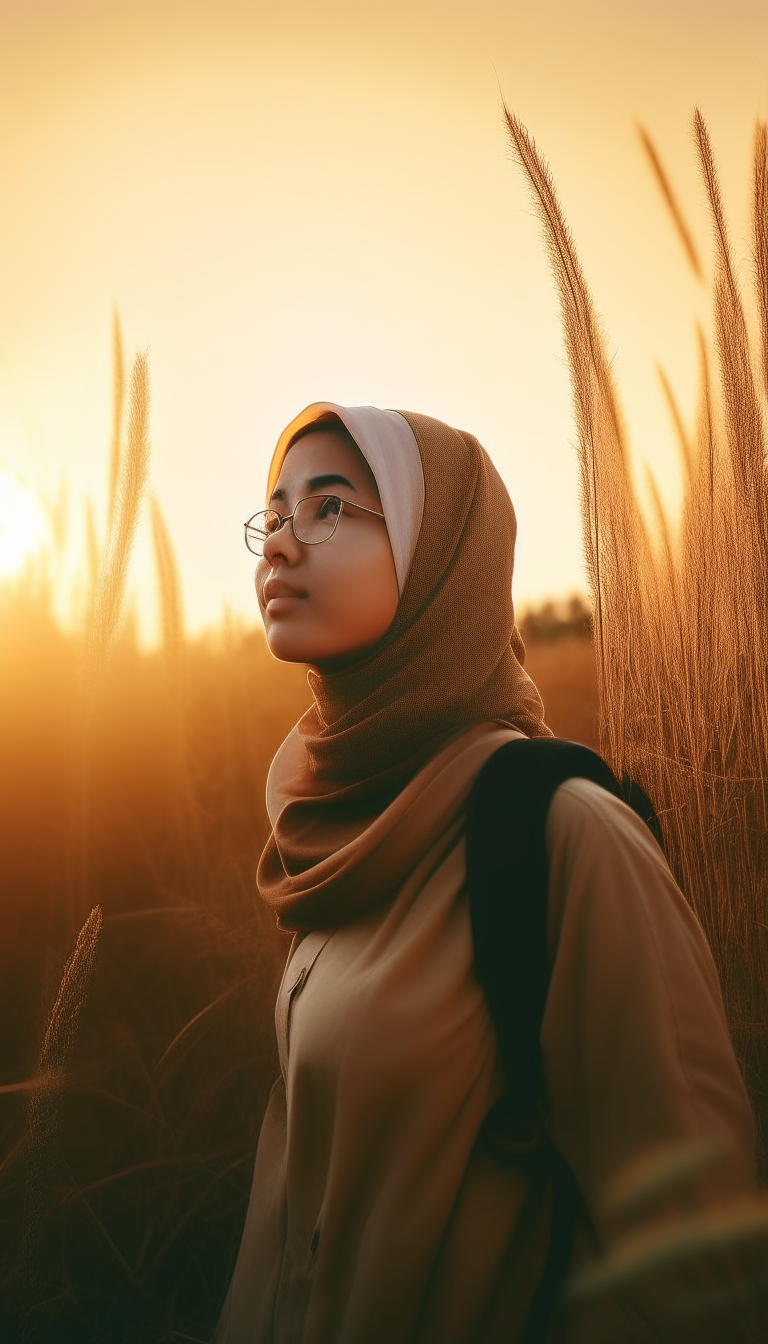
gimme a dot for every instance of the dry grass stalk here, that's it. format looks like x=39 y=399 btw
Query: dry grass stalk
x=686 y=447
x=113 y=572
x=28 y=1085
x=683 y=1243
x=171 y=604
x=44 y=1100
x=615 y=540
x=61 y=1031
x=106 y=607
x=651 y=1174
x=672 y=203
x=682 y=629
x=92 y=553
x=760 y=228
x=118 y=398
x=172 y=621
x=165 y=1158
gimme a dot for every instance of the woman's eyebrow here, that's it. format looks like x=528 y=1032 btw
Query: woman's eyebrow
x=317 y=483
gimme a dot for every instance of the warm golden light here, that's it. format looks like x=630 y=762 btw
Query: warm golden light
x=23 y=527
x=309 y=201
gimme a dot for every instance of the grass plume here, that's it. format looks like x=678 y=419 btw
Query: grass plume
x=61 y=1031
x=118 y=398
x=44 y=1102
x=109 y=575
x=671 y=202
x=682 y=628
x=113 y=571
x=616 y=547
x=760 y=231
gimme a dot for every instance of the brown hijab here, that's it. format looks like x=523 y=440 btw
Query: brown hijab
x=450 y=661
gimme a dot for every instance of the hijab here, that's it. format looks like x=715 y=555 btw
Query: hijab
x=447 y=671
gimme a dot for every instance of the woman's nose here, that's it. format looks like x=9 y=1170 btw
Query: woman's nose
x=282 y=543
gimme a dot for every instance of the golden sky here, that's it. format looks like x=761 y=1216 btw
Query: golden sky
x=310 y=200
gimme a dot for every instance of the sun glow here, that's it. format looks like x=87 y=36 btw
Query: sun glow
x=23 y=526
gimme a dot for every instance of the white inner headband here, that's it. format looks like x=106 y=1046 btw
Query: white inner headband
x=389 y=446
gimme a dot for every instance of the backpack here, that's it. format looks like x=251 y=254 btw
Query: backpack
x=507 y=813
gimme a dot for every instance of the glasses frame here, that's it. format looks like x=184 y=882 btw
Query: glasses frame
x=288 y=518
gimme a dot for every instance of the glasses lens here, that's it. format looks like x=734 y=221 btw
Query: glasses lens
x=315 y=519
x=259 y=527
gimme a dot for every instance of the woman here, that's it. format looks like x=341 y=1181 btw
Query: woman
x=383 y=1212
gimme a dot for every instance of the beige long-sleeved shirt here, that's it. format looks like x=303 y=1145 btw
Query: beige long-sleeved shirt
x=381 y=1213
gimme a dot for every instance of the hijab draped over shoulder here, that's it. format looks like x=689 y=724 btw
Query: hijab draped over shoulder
x=385 y=756
x=383 y=1209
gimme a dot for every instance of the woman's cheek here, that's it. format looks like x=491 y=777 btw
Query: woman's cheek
x=259 y=579
x=371 y=606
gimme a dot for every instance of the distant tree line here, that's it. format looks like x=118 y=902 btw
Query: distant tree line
x=555 y=619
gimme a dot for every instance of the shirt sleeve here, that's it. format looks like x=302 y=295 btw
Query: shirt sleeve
x=638 y=1063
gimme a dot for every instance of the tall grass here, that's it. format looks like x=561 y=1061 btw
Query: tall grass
x=121 y=1196
x=108 y=566
x=118 y=396
x=672 y=204
x=760 y=215
x=143 y=1184
x=681 y=626
x=129 y=468
x=144 y=1197
x=43 y=1112
x=141 y=1191
x=187 y=818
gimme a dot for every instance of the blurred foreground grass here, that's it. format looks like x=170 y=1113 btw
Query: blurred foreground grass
x=146 y=1183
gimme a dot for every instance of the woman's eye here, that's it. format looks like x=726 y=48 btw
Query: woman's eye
x=328 y=507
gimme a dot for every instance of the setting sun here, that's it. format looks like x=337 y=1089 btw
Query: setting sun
x=23 y=527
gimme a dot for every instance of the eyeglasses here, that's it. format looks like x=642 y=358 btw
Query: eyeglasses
x=313 y=521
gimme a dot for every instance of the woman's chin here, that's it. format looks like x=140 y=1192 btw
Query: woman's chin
x=288 y=646
x=286 y=652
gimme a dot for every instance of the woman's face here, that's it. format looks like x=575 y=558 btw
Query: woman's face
x=324 y=604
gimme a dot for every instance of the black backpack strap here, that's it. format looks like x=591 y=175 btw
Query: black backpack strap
x=640 y=803
x=507 y=880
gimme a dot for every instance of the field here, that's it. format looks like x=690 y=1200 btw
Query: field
x=134 y=783
x=130 y=1199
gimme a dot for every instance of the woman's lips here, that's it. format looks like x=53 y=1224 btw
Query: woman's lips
x=276 y=605
x=280 y=596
